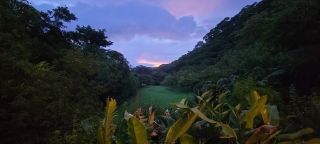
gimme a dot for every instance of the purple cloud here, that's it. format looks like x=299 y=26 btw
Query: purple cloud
x=129 y=19
x=150 y=32
x=145 y=50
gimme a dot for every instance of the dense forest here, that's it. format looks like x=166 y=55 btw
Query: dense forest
x=54 y=80
x=260 y=65
x=271 y=43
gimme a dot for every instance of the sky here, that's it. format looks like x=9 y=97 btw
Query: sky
x=149 y=32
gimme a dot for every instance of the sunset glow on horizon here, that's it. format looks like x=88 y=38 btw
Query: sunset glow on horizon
x=150 y=62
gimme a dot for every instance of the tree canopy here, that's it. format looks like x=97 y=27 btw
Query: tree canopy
x=54 y=82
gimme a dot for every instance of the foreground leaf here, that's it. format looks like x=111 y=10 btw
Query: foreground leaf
x=179 y=128
x=227 y=131
x=137 y=131
x=257 y=106
x=265 y=115
x=110 y=108
x=182 y=104
x=106 y=130
x=100 y=135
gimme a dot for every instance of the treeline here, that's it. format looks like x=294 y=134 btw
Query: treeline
x=271 y=46
x=149 y=75
x=54 y=82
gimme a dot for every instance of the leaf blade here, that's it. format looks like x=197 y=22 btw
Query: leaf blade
x=137 y=131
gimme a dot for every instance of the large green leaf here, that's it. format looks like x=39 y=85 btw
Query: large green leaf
x=137 y=131
x=106 y=130
x=182 y=104
x=257 y=106
x=182 y=125
x=269 y=114
x=179 y=128
x=110 y=108
x=253 y=98
x=265 y=115
x=227 y=131
x=100 y=135
x=197 y=112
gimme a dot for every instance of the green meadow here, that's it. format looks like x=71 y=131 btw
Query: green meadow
x=156 y=96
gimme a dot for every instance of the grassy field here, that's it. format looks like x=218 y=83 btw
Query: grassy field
x=157 y=96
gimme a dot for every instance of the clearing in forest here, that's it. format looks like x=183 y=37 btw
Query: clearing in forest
x=157 y=96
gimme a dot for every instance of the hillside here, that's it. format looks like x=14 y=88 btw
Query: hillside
x=271 y=46
x=276 y=43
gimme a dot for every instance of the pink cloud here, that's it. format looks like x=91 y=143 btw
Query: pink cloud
x=196 y=8
x=149 y=59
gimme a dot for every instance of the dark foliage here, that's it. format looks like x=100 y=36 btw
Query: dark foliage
x=54 y=82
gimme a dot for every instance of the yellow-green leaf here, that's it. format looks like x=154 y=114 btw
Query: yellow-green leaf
x=265 y=115
x=202 y=116
x=137 y=131
x=253 y=98
x=257 y=105
x=182 y=104
x=187 y=139
x=227 y=131
x=179 y=128
x=100 y=136
x=110 y=108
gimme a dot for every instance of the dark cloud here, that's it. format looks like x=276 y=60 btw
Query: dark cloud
x=130 y=19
